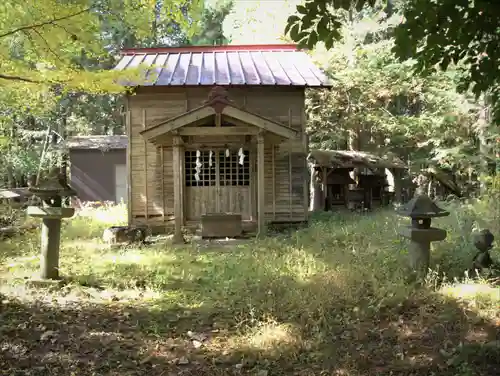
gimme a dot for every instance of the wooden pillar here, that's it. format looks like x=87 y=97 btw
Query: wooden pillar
x=260 y=186
x=130 y=204
x=397 y=186
x=146 y=193
x=178 y=187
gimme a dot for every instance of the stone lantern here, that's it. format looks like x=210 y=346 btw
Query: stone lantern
x=51 y=192
x=421 y=209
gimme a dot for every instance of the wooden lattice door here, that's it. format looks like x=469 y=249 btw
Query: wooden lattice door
x=223 y=184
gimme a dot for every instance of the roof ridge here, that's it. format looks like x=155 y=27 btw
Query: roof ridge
x=210 y=48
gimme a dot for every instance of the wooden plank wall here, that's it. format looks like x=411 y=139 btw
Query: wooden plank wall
x=285 y=197
x=155 y=203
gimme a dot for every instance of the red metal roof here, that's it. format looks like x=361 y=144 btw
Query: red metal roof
x=276 y=65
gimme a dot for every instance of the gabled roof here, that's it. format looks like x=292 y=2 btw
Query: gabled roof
x=256 y=65
x=219 y=103
x=207 y=110
x=97 y=142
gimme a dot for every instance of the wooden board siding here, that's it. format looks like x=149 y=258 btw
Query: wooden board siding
x=284 y=163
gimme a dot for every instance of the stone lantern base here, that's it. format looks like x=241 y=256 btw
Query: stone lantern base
x=420 y=245
x=50 y=240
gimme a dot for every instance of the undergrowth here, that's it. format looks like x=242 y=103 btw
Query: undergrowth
x=333 y=297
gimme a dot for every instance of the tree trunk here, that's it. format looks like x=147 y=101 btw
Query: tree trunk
x=317 y=197
x=354 y=145
x=484 y=150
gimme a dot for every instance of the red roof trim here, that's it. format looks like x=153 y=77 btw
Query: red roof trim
x=244 y=47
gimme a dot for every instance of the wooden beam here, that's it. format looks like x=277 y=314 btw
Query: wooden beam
x=305 y=146
x=273 y=164
x=290 y=176
x=162 y=179
x=218 y=131
x=182 y=174
x=261 y=205
x=177 y=122
x=398 y=197
x=260 y=122
x=176 y=159
x=251 y=198
x=128 y=125
x=146 y=198
x=290 y=188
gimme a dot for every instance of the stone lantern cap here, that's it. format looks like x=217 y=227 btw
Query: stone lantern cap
x=52 y=188
x=422 y=207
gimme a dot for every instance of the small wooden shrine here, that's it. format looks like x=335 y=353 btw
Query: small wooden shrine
x=217 y=136
x=353 y=179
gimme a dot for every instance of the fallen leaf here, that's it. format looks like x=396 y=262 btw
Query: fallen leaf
x=47 y=335
x=146 y=359
x=183 y=361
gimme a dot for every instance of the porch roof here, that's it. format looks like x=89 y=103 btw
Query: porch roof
x=222 y=108
x=351 y=158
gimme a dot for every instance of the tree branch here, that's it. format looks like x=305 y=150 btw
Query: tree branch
x=19 y=78
x=48 y=22
x=44 y=40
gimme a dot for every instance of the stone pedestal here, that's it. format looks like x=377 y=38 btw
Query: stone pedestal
x=420 y=245
x=51 y=192
x=421 y=209
x=51 y=238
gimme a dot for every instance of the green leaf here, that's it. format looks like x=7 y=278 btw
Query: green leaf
x=312 y=40
x=322 y=27
x=329 y=41
x=294 y=32
x=292 y=20
x=445 y=62
x=307 y=22
x=302 y=9
x=359 y=5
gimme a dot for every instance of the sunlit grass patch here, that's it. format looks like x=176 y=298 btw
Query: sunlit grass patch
x=334 y=290
x=477 y=295
x=263 y=337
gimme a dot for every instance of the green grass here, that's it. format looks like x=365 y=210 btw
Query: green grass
x=333 y=299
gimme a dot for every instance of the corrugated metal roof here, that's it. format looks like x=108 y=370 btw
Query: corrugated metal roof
x=274 y=65
x=351 y=158
x=103 y=142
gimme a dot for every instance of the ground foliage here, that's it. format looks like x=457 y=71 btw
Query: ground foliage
x=331 y=299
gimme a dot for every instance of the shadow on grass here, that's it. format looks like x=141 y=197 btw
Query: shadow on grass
x=422 y=335
x=329 y=300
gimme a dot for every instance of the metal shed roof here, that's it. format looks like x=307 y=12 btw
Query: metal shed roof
x=273 y=65
x=351 y=158
x=98 y=142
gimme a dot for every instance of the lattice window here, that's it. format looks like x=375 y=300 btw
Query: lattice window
x=231 y=172
x=207 y=174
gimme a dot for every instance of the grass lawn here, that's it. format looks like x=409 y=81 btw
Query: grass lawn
x=333 y=299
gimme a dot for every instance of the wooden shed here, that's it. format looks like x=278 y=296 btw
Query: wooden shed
x=341 y=178
x=217 y=136
x=98 y=167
